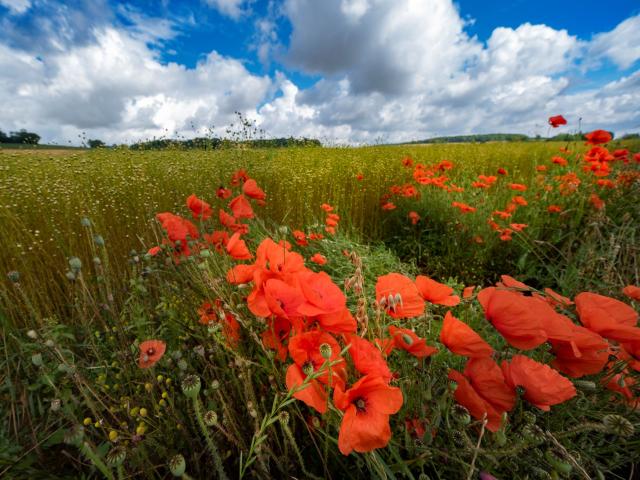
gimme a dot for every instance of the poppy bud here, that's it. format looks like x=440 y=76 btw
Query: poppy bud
x=177 y=465
x=116 y=456
x=191 y=386
x=85 y=222
x=307 y=368
x=461 y=414
x=325 y=351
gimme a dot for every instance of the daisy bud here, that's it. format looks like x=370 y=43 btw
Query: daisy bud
x=618 y=425
x=32 y=334
x=191 y=386
x=177 y=465
x=49 y=343
x=215 y=385
x=325 y=351
x=55 y=404
x=211 y=418
x=113 y=435
x=116 y=456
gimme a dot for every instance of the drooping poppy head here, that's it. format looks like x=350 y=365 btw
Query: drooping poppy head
x=557 y=120
x=150 y=352
x=399 y=296
x=367 y=406
x=586 y=353
x=543 y=386
x=488 y=380
x=407 y=340
x=435 y=292
x=318 y=259
x=460 y=338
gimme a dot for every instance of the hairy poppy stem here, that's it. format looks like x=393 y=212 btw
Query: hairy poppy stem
x=97 y=462
x=210 y=443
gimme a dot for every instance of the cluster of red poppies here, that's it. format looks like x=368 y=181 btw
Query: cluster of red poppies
x=527 y=319
x=598 y=161
x=185 y=238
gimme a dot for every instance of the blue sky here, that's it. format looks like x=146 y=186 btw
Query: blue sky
x=345 y=71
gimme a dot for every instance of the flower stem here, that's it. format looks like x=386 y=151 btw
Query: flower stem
x=212 y=446
x=99 y=464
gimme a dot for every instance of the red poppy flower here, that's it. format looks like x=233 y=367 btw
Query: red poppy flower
x=150 y=352
x=559 y=161
x=326 y=207
x=367 y=406
x=632 y=291
x=483 y=391
x=367 y=358
x=557 y=120
x=321 y=295
x=153 y=251
x=512 y=316
x=407 y=340
x=435 y=292
x=596 y=201
x=399 y=296
x=389 y=206
x=319 y=259
x=337 y=322
x=607 y=316
x=518 y=186
x=463 y=207
x=460 y=338
x=543 y=386
x=467 y=292
x=598 y=137
x=241 y=207
x=237 y=248
x=541 y=168
x=223 y=193
x=199 y=208
x=278 y=330
x=554 y=209
x=586 y=353
x=502 y=171
x=414 y=217
x=360 y=177
x=282 y=299
x=252 y=190
x=239 y=177
x=208 y=313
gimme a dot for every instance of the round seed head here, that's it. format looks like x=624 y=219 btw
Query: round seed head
x=177 y=465
x=618 y=425
x=116 y=456
x=191 y=386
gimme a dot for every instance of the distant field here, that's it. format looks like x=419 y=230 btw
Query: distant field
x=44 y=194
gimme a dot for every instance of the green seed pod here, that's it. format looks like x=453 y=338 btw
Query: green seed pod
x=458 y=438
x=177 y=465
x=13 y=276
x=191 y=386
x=99 y=240
x=75 y=264
x=325 y=351
x=618 y=425
x=116 y=456
x=461 y=414
x=74 y=435
x=586 y=385
x=36 y=359
x=284 y=417
x=210 y=418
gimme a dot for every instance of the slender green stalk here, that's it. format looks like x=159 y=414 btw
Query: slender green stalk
x=100 y=465
x=210 y=443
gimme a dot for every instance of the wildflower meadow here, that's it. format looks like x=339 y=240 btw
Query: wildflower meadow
x=415 y=312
